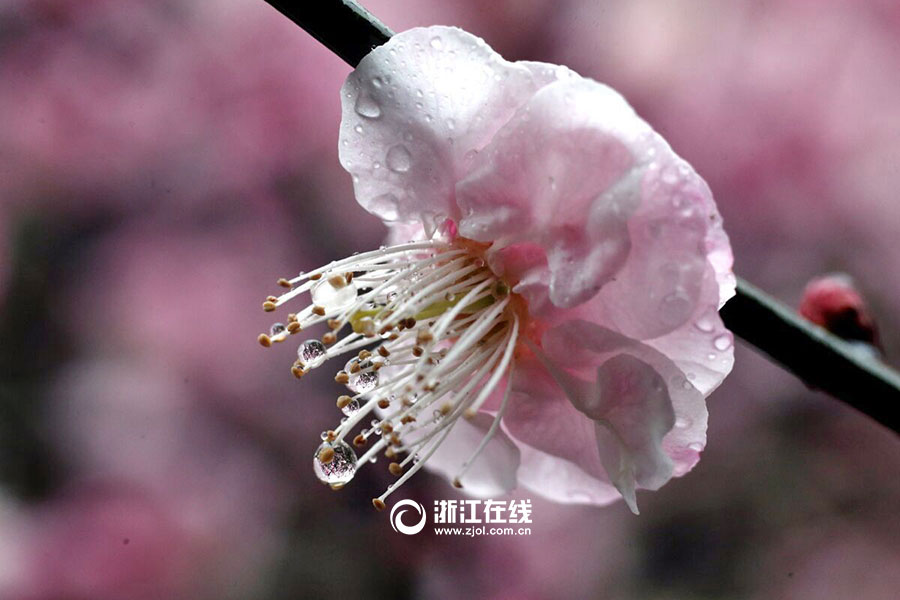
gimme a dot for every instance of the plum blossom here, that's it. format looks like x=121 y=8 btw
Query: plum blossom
x=545 y=315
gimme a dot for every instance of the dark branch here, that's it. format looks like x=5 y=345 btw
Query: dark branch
x=343 y=26
x=820 y=359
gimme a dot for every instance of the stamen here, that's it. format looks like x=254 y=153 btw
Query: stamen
x=434 y=333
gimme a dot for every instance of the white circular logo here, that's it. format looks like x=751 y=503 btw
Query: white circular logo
x=397 y=517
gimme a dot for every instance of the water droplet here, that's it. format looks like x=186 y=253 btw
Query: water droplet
x=310 y=352
x=398 y=159
x=333 y=296
x=324 y=435
x=706 y=323
x=351 y=409
x=675 y=308
x=276 y=329
x=386 y=206
x=376 y=81
x=670 y=175
x=436 y=43
x=696 y=446
x=367 y=107
x=358 y=129
x=376 y=165
x=722 y=342
x=451 y=124
x=683 y=422
x=342 y=466
x=711 y=356
x=361 y=383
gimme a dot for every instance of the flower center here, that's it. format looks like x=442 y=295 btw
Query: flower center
x=431 y=331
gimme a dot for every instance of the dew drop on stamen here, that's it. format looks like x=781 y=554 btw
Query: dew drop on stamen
x=361 y=383
x=310 y=351
x=340 y=469
x=351 y=409
x=276 y=329
x=332 y=297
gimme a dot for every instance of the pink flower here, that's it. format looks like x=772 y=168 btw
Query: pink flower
x=560 y=291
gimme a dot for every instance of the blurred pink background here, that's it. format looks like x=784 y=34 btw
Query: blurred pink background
x=162 y=163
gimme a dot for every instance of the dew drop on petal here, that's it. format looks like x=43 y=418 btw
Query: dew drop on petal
x=683 y=422
x=333 y=297
x=398 y=159
x=367 y=107
x=722 y=342
x=377 y=82
x=276 y=329
x=706 y=323
x=696 y=446
x=310 y=351
x=340 y=469
x=386 y=206
x=437 y=43
x=358 y=129
x=675 y=308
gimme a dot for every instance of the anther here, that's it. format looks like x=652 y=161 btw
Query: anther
x=264 y=340
x=329 y=338
x=378 y=503
x=269 y=306
x=336 y=486
x=384 y=351
x=293 y=327
x=387 y=427
x=359 y=441
x=297 y=371
x=423 y=337
x=318 y=310
x=384 y=403
x=407 y=419
x=363 y=354
x=337 y=281
x=334 y=324
x=342 y=377
x=457 y=483
x=343 y=401
x=326 y=455
x=395 y=469
x=418 y=351
x=315 y=277
x=271 y=299
x=330 y=435
x=284 y=283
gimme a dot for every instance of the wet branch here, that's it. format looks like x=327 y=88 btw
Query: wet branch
x=820 y=359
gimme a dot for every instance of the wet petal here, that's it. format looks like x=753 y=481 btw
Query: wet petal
x=563 y=174
x=417 y=111
x=494 y=470
x=653 y=420
x=560 y=480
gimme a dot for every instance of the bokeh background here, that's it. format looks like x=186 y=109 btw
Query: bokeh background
x=162 y=162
